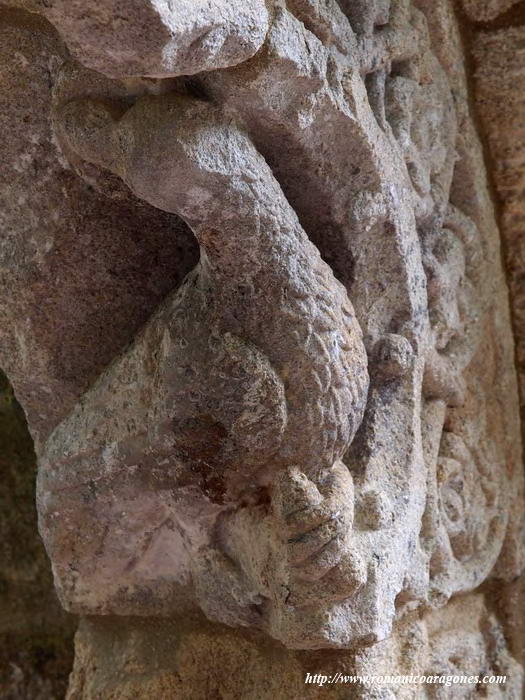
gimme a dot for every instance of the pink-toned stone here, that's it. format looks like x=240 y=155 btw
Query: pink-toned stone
x=160 y=38
x=81 y=265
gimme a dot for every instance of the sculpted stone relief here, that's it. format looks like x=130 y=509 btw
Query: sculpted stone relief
x=306 y=436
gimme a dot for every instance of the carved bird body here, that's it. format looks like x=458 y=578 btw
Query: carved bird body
x=262 y=364
x=255 y=366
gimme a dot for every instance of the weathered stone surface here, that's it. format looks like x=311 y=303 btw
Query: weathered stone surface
x=297 y=401
x=160 y=38
x=36 y=635
x=316 y=435
x=499 y=81
x=181 y=156
x=81 y=264
x=174 y=662
x=487 y=10
x=500 y=96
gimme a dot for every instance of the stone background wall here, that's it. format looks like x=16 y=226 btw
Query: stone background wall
x=497 y=80
x=437 y=109
x=36 y=635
